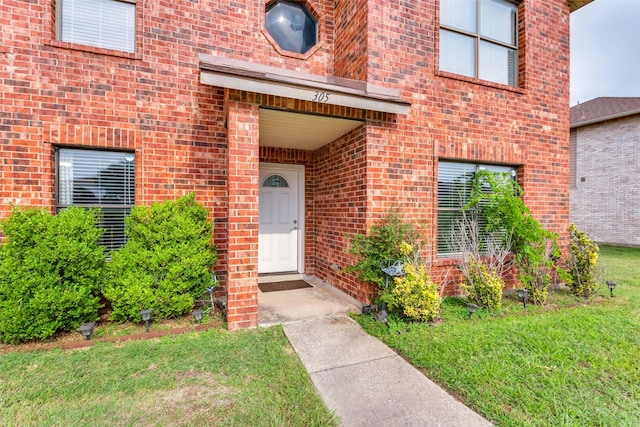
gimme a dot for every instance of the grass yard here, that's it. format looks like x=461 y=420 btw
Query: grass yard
x=569 y=364
x=211 y=378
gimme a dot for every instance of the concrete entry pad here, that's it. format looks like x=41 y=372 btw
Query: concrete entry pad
x=318 y=301
x=368 y=384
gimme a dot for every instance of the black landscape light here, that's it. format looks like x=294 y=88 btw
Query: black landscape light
x=212 y=289
x=146 y=316
x=390 y=268
x=382 y=317
x=87 y=330
x=523 y=294
x=472 y=308
x=611 y=284
x=197 y=315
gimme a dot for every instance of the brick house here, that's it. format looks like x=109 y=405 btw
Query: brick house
x=605 y=152
x=294 y=122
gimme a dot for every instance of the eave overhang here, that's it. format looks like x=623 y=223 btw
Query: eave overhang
x=251 y=77
x=578 y=124
x=577 y=4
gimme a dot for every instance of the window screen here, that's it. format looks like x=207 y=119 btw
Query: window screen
x=104 y=179
x=478 y=38
x=455 y=185
x=108 y=24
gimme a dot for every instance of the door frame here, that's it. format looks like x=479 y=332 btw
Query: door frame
x=300 y=172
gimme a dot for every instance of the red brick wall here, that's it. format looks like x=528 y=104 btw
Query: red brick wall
x=242 y=237
x=54 y=93
x=341 y=207
x=351 y=39
x=154 y=92
x=460 y=118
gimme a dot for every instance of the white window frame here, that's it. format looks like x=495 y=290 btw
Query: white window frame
x=110 y=25
x=484 y=46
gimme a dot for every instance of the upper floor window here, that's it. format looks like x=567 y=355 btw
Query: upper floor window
x=103 y=179
x=108 y=24
x=479 y=38
x=292 y=26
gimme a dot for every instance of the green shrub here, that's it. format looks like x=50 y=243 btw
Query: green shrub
x=165 y=264
x=535 y=248
x=414 y=295
x=383 y=243
x=483 y=287
x=582 y=270
x=50 y=272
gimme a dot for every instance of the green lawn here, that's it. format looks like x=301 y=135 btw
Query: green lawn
x=246 y=378
x=569 y=364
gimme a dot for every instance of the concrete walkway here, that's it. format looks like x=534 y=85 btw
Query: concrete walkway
x=366 y=383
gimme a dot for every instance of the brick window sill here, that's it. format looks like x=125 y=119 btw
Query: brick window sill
x=473 y=80
x=93 y=49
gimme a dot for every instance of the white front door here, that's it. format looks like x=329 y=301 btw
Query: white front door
x=280 y=231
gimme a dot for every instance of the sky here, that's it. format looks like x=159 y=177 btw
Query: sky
x=605 y=50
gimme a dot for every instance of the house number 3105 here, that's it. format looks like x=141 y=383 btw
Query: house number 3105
x=320 y=96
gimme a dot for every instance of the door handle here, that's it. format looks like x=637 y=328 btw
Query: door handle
x=295 y=225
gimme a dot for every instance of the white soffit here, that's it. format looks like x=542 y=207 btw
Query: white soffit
x=284 y=129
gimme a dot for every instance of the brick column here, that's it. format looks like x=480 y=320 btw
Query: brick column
x=243 y=170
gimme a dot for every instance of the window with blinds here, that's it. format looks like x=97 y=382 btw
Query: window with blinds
x=103 y=179
x=455 y=185
x=108 y=24
x=479 y=38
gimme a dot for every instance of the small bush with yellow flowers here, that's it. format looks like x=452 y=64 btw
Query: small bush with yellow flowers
x=582 y=273
x=414 y=295
x=483 y=287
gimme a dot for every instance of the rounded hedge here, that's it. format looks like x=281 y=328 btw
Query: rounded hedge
x=166 y=263
x=50 y=272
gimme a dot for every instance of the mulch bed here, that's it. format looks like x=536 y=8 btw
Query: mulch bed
x=73 y=340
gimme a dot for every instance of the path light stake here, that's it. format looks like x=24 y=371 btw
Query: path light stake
x=197 y=315
x=390 y=268
x=212 y=290
x=146 y=315
x=87 y=330
x=611 y=284
x=472 y=308
x=523 y=293
x=382 y=317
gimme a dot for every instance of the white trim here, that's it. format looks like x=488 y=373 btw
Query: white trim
x=277 y=167
x=318 y=92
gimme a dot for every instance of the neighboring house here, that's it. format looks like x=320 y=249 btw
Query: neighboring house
x=294 y=122
x=605 y=156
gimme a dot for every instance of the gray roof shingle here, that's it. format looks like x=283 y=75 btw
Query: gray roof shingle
x=604 y=108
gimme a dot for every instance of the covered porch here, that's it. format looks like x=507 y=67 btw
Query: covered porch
x=297 y=176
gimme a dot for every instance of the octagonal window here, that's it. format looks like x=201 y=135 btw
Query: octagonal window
x=292 y=26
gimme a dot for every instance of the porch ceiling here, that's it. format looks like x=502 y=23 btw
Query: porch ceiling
x=284 y=129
